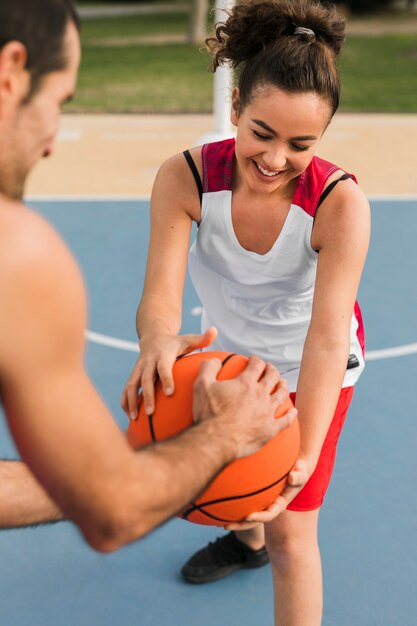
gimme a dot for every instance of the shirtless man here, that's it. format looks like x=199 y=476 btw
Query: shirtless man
x=65 y=434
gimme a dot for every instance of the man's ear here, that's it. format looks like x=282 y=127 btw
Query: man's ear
x=234 y=114
x=14 y=78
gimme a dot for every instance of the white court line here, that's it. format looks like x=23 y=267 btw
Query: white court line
x=111 y=342
x=381 y=198
x=391 y=353
x=130 y=346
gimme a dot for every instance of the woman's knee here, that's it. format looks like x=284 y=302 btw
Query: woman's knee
x=291 y=538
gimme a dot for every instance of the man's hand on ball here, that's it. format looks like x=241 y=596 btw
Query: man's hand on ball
x=246 y=404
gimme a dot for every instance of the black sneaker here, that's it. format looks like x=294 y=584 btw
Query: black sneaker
x=226 y=555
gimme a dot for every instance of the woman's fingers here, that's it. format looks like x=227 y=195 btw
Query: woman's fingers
x=195 y=342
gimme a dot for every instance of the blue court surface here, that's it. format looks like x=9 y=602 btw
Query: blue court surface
x=48 y=576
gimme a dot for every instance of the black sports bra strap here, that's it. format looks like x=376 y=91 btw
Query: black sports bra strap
x=195 y=173
x=330 y=187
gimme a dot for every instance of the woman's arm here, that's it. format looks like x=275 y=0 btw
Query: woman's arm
x=341 y=235
x=174 y=206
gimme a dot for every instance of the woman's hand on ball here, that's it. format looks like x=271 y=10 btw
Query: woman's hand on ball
x=297 y=478
x=158 y=354
x=246 y=405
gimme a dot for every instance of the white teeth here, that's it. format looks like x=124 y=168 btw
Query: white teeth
x=265 y=172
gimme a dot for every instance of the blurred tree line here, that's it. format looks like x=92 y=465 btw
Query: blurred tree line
x=365 y=6
x=362 y=6
x=199 y=9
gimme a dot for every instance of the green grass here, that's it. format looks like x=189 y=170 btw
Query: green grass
x=157 y=79
x=103 y=3
x=134 y=25
x=388 y=15
x=379 y=73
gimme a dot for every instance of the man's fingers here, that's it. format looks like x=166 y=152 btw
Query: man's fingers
x=280 y=393
x=255 y=368
x=272 y=379
x=285 y=420
x=209 y=370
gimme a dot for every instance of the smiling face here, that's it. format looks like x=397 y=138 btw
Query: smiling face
x=277 y=136
x=28 y=128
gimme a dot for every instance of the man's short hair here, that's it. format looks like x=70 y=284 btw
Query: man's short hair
x=40 y=25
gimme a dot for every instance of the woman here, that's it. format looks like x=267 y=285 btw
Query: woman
x=280 y=248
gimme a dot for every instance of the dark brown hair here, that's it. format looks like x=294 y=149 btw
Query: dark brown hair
x=263 y=41
x=40 y=25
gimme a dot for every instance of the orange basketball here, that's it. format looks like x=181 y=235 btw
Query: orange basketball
x=245 y=486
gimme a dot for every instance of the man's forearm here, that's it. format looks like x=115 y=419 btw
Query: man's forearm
x=23 y=502
x=171 y=475
x=114 y=494
x=183 y=467
x=162 y=480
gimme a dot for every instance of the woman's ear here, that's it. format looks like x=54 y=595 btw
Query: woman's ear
x=234 y=114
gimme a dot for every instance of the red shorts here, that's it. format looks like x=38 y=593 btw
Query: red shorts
x=312 y=494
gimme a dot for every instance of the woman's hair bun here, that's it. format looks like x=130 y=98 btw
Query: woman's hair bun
x=254 y=25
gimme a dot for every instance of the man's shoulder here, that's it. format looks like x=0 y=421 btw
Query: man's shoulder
x=36 y=267
x=28 y=243
x=42 y=295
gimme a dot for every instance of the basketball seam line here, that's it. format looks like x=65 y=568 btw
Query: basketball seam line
x=198 y=507
x=150 y=417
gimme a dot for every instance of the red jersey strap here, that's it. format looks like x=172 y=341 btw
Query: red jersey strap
x=360 y=332
x=217 y=161
x=311 y=184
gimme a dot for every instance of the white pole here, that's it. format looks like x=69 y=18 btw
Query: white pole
x=223 y=81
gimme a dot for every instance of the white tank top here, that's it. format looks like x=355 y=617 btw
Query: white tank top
x=261 y=304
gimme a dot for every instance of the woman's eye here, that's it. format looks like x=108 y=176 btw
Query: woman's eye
x=261 y=137
x=298 y=148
